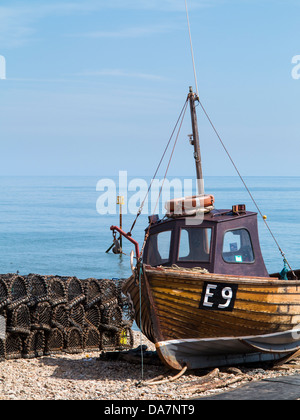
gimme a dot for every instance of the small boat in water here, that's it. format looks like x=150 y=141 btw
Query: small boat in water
x=200 y=289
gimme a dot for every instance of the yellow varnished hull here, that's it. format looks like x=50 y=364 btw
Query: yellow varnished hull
x=178 y=305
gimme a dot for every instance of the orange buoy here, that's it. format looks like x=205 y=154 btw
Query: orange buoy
x=185 y=205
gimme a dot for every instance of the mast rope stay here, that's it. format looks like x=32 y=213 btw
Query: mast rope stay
x=228 y=154
x=159 y=165
x=192 y=50
x=182 y=115
x=247 y=188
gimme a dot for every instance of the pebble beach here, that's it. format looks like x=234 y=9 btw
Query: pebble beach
x=84 y=377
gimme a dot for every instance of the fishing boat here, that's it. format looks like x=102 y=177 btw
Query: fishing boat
x=200 y=289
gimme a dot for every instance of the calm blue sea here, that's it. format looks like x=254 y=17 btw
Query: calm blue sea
x=50 y=225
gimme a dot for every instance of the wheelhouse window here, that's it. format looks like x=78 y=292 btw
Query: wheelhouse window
x=159 y=248
x=237 y=247
x=195 y=244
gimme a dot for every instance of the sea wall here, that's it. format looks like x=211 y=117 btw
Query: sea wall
x=52 y=314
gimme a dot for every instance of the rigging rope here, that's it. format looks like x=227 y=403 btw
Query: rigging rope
x=245 y=185
x=159 y=165
x=165 y=176
x=227 y=152
x=192 y=50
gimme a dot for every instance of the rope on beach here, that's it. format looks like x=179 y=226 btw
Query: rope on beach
x=166 y=380
x=52 y=314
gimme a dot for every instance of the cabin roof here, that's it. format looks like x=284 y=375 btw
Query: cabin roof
x=214 y=216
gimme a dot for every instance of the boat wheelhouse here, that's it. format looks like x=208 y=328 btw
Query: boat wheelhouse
x=225 y=242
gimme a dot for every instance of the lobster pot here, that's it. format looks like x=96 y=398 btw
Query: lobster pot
x=60 y=317
x=127 y=313
x=93 y=292
x=37 y=287
x=77 y=316
x=4 y=293
x=109 y=295
x=112 y=316
x=34 y=344
x=18 y=290
x=13 y=346
x=73 y=340
x=18 y=320
x=2 y=350
x=75 y=292
x=93 y=316
x=56 y=291
x=54 y=341
x=125 y=339
x=41 y=316
x=91 y=339
x=109 y=340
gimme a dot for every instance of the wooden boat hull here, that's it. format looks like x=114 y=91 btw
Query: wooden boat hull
x=204 y=320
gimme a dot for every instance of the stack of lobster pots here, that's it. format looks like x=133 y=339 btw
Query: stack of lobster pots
x=52 y=314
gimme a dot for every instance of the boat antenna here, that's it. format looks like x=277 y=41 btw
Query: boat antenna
x=192 y=50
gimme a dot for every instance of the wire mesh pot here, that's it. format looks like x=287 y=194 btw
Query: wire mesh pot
x=37 y=288
x=75 y=291
x=112 y=315
x=93 y=316
x=73 y=340
x=93 y=292
x=41 y=316
x=91 y=338
x=18 y=320
x=125 y=339
x=13 y=346
x=2 y=350
x=77 y=316
x=57 y=293
x=4 y=293
x=18 y=290
x=60 y=317
x=34 y=344
x=110 y=292
x=54 y=341
x=108 y=340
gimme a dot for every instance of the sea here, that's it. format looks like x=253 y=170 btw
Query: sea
x=53 y=226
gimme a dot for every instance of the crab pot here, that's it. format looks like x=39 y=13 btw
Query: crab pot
x=34 y=344
x=75 y=292
x=77 y=316
x=41 y=316
x=60 y=317
x=18 y=320
x=91 y=339
x=109 y=340
x=13 y=346
x=54 y=341
x=18 y=289
x=73 y=340
x=125 y=339
x=37 y=288
x=93 y=316
x=93 y=292
x=57 y=293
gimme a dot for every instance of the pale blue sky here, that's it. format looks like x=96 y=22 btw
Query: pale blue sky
x=95 y=86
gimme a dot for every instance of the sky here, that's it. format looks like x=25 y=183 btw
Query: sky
x=94 y=86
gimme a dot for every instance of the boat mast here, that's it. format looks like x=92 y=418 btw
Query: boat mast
x=195 y=142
